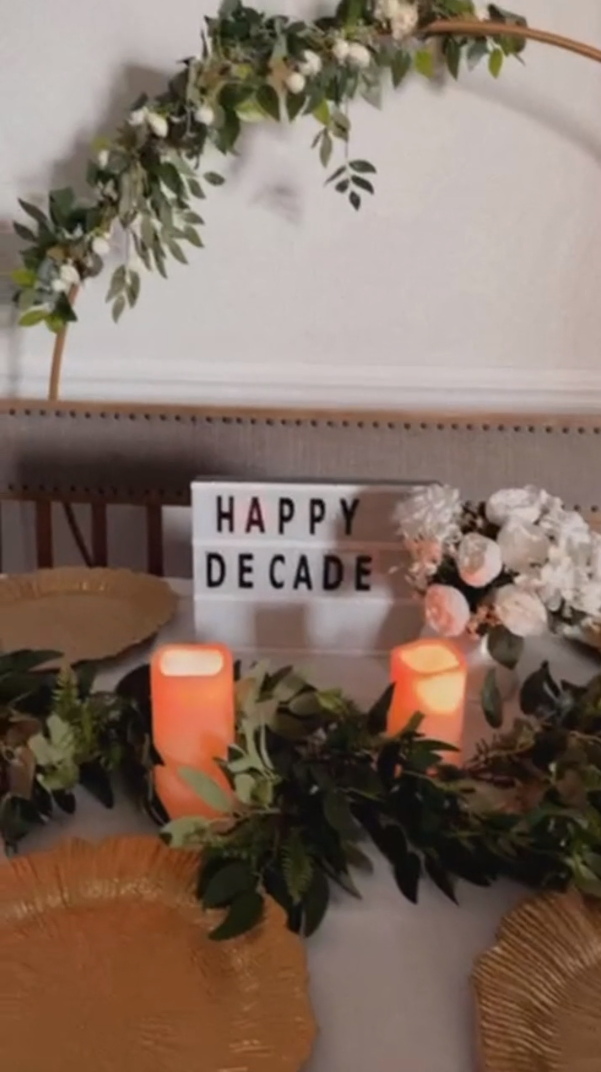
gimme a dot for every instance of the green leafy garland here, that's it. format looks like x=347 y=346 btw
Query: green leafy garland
x=251 y=67
x=314 y=780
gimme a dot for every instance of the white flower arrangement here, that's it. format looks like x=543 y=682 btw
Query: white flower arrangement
x=520 y=561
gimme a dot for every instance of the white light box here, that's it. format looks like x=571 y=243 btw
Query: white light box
x=300 y=566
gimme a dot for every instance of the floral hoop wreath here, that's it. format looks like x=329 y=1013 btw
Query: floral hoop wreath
x=251 y=67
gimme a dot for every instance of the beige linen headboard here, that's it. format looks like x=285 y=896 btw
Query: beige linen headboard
x=147 y=455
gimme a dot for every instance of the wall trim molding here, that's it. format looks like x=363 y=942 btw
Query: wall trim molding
x=320 y=386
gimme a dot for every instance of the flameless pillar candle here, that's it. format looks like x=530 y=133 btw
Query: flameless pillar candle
x=429 y=676
x=192 y=688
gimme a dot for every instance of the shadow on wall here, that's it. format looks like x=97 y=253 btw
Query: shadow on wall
x=277 y=194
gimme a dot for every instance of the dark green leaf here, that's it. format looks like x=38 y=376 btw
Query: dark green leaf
x=268 y=100
x=315 y=902
x=177 y=252
x=193 y=237
x=171 y=178
x=407 y=874
x=62 y=203
x=401 y=65
x=118 y=308
x=295 y=103
x=96 y=780
x=35 y=213
x=377 y=716
x=492 y=704
x=213 y=178
x=440 y=877
x=23 y=661
x=476 y=51
x=363 y=184
x=342 y=187
x=24 y=233
x=228 y=883
x=133 y=288
x=244 y=914
x=336 y=174
x=359 y=859
x=539 y=693
x=355 y=200
x=362 y=167
x=195 y=189
x=453 y=56
x=325 y=149
x=504 y=647
x=338 y=814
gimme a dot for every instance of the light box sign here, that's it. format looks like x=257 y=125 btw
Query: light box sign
x=300 y=566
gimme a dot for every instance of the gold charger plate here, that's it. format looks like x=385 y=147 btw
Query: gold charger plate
x=539 y=988
x=107 y=967
x=83 y=613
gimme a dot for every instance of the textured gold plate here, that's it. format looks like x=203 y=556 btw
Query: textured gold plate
x=539 y=988
x=83 y=613
x=107 y=967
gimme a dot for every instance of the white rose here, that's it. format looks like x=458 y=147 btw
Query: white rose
x=341 y=50
x=310 y=64
x=100 y=245
x=138 y=117
x=70 y=275
x=478 y=560
x=359 y=55
x=205 y=114
x=295 y=82
x=103 y=158
x=446 y=610
x=520 y=611
x=59 y=286
x=431 y=512
x=522 y=545
x=158 y=124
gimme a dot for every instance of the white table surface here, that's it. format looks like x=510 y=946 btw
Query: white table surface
x=389 y=980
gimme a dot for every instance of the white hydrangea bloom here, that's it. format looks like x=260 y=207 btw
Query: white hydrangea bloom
x=526 y=504
x=520 y=611
x=431 y=512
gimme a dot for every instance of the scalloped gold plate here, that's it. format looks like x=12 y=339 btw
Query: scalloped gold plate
x=83 y=613
x=539 y=988
x=107 y=966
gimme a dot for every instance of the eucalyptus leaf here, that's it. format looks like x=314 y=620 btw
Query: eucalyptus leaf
x=492 y=703
x=504 y=647
x=207 y=789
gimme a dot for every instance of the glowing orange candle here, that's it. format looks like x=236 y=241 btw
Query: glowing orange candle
x=193 y=711
x=430 y=676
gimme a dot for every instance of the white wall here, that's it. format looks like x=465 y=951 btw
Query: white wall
x=472 y=278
